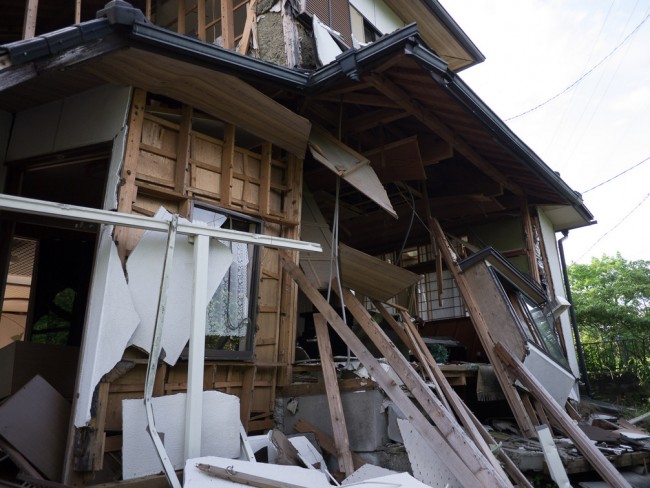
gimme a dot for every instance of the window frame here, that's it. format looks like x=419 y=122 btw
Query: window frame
x=248 y=352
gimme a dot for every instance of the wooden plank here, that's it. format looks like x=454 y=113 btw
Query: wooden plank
x=128 y=190
x=373 y=277
x=248 y=27
x=439 y=413
x=77 y=11
x=200 y=20
x=265 y=177
x=29 y=23
x=597 y=460
x=531 y=253
x=482 y=330
x=325 y=441
x=246 y=397
x=180 y=22
x=183 y=149
x=227 y=24
x=333 y=395
x=306 y=389
x=227 y=159
x=430 y=433
x=96 y=447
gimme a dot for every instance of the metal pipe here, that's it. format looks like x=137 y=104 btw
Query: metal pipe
x=85 y=214
x=156 y=346
x=572 y=314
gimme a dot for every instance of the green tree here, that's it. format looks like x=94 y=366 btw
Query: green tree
x=612 y=298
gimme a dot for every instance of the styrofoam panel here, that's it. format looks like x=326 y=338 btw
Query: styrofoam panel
x=194 y=478
x=144 y=268
x=112 y=319
x=367 y=472
x=219 y=428
x=426 y=465
x=398 y=480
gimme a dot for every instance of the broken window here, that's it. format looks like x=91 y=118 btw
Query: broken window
x=50 y=261
x=231 y=312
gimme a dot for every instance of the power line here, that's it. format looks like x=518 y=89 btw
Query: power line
x=616 y=176
x=584 y=75
x=619 y=223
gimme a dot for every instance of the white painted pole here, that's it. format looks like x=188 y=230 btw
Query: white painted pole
x=194 y=399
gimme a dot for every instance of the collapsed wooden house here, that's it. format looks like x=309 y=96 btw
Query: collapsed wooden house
x=162 y=160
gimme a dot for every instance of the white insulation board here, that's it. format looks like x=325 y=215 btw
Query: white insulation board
x=426 y=465
x=219 y=428
x=112 y=319
x=144 y=268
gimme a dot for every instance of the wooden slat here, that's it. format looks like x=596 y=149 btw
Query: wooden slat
x=324 y=441
x=29 y=24
x=183 y=149
x=227 y=159
x=227 y=24
x=265 y=177
x=128 y=190
x=431 y=434
x=530 y=240
x=248 y=27
x=333 y=395
x=597 y=460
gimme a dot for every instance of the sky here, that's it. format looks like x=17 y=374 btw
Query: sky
x=591 y=59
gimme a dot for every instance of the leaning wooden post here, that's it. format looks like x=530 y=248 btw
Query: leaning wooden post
x=482 y=330
x=333 y=396
x=429 y=432
x=596 y=458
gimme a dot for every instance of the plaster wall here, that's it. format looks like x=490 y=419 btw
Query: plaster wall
x=88 y=118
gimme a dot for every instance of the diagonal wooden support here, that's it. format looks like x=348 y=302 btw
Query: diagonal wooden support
x=333 y=394
x=596 y=458
x=482 y=330
x=439 y=414
x=430 y=433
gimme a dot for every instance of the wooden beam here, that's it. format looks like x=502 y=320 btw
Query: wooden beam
x=529 y=239
x=433 y=151
x=265 y=177
x=431 y=434
x=180 y=21
x=227 y=158
x=77 y=11
x=482 y=330
x=325 y=441
x=128 y=190
x=439 y=413
x=413 y=107
x=246 y=398
x=29 y=23
x=227 y=24
x=596 y=458
x=333 y=395
x=200 y=20
x=183 y=149
x=245 y=40
x=370 y=120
